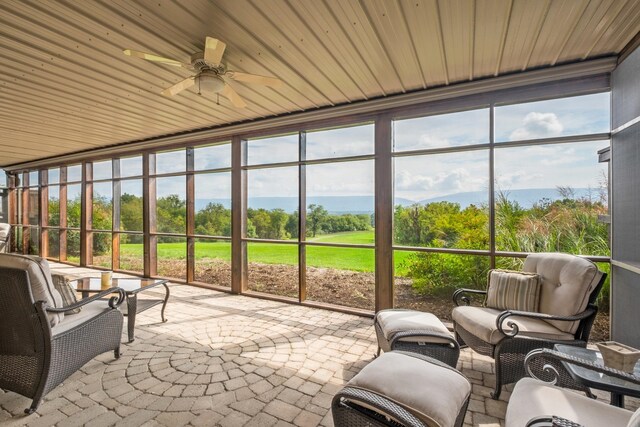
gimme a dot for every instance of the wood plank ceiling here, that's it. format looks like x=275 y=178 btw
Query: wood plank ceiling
x=66 y=86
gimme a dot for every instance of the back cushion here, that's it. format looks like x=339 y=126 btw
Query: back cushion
x=513 y=290
x=567 y=283
x=42 y=288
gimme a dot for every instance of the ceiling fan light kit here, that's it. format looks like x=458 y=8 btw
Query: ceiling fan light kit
x=210 y=74
x=209 y=82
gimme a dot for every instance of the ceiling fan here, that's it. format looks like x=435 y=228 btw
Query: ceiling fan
x=210 y=73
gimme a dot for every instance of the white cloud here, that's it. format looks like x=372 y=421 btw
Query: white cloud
x=537 y=125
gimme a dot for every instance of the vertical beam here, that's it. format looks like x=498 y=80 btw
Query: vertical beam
x=86 y=215
x=492 y=189
x=191 y=212
x=62 y=202
x=116 y=194
x=43 y=212
x=383 y=214
x=302 y=218
x=24 y=221
x=149 y=214
x=13 y=209
x=238 y=216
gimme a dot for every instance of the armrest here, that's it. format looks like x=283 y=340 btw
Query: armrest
x=458 y=295
x=550 y=355
x=114 y=302
x=552 y=421
x=502 y=317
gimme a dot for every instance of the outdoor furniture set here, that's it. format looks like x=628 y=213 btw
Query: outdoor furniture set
x=551 y=304
x=46 y=335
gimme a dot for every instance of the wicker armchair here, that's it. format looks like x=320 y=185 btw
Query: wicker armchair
x=5 y=235
x=539 y=402
x=569 y=288
x=40 y=346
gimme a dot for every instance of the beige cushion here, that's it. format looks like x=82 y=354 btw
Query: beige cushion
x=432 y=393
x=635 y=419
x=567 y=282
x=88 y=312
x=481 y=322
x=532 y=398
x=42 y=288
x=393 y=321
x=513 y=290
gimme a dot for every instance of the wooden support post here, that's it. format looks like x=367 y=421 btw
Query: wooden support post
x=86 y=215
x=116 y=194
x=62 y=203
x=24 y=221
x=238 y=216
x=302 y=218
x=383 y=214
x=191 y=212
x=13 y=210
x=149 y=214
x=43 y=213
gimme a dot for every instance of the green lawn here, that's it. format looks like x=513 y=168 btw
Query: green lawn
x=356 y=259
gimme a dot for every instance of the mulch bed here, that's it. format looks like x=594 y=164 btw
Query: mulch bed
x=341 y=287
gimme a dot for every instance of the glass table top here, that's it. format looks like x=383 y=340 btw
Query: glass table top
x=589 y=375
x=129 y=285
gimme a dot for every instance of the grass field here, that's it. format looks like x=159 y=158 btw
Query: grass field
x=355 y=259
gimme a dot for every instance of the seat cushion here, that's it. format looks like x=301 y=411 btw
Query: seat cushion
x=513 y=290
x=432 y=393
x=39 y=274
x=481 y=322
x=567 y=283
x=635 y=419
x=532 y=398
x=393 y=321
x=89 y=311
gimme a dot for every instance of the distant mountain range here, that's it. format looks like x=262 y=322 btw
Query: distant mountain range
x=364 y=204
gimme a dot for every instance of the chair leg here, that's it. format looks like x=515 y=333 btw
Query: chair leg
x=34 y=406
x=378 y=353
x=495 y=395
x=116 y=353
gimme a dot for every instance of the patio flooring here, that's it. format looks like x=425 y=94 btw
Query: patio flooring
x=228 y=360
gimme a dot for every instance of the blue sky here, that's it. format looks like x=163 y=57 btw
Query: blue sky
x=416 y=178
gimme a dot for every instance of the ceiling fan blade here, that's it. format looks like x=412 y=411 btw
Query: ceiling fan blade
x=254 y=78
x=233 y=96
x=179 y=87
x=152 y=57
x=213 y=51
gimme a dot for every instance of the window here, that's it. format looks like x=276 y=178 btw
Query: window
x=442 y=131
x=277 y=149
x=551 y=201
x=130 y=166
x=552 y=118
x=340 y=142
x=442 y=200
x=171 y=161
x=212 y=157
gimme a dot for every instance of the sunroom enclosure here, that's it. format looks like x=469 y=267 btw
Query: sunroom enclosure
x=361 y=212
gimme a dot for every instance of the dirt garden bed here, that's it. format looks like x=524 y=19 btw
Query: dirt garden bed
x=341 y=287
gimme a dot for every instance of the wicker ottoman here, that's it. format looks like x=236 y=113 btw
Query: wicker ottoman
x=416 y=332
x=406 y=389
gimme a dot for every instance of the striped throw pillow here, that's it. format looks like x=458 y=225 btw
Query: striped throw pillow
x=513 y=290
x=61 y=283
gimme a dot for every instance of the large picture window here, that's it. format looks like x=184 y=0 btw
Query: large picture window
x=475 y=184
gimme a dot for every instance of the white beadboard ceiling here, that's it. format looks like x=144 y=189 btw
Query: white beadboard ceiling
x=65 y=85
